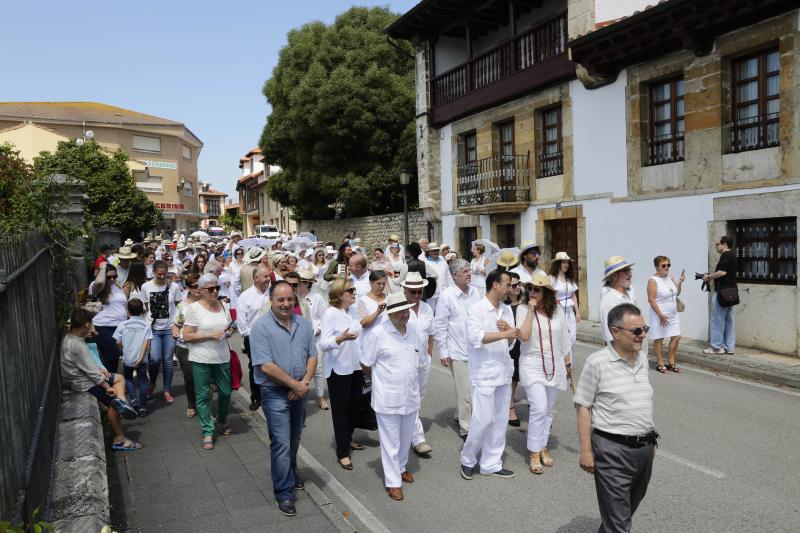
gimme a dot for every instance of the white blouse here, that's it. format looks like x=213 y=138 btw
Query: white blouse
x=341 y=358
x=544 y=363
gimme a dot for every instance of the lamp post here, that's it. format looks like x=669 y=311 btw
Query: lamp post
x=405 y=179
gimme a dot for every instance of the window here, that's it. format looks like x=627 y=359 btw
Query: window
x=153 y=184
x=755 y=101
x=187 y=153
x=467 y=170
x=470 y=142
x=551 y=161
x=212 y=208
x=465 y=238
x=766 y=251
x=506 y=237
x=187 y=189
x=147 y=144
x=665 y=144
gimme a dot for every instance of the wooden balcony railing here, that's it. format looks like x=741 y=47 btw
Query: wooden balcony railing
x=664 y=149
x=536 y=45
x=754 y=133
x=494 y=180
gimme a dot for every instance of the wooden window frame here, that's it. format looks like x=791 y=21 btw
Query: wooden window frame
x=465 y=138
x=676 y=140
x=551 y=164
x=776 y=250
x=763 y=120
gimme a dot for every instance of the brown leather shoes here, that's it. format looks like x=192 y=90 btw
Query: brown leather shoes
x=395 y=493
x=407 y=477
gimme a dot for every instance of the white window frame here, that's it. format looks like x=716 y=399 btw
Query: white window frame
x=187 y=189
x=146 y=140
x=154 y=184
x=187 y=152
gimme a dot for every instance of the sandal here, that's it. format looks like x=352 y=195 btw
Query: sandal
x=513 y=421
x=674 y=368
x=208 y=442
x=535 y=464
x=348 y=465
x=226 y=430
x=356 y=446
x=125 y=445
x=661 y=368
x=546 y=459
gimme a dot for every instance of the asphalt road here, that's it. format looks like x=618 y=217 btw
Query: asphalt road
x=728 y=460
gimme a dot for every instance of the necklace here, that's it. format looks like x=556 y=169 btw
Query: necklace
x=541 y=346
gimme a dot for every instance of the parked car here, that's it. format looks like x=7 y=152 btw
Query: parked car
x=216 y=232
x=267 y=231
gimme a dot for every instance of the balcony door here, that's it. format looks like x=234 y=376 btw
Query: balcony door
x=506 y=145
x=564 y=237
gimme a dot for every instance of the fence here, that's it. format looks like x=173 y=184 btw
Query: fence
x=30 y=381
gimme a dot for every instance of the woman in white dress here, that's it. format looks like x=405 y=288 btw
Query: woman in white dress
x=234 y=269
x=395 y=259
x=477 y=268
x=565 y=282
x=544 y=366
x=662 y=294
x=370 y=307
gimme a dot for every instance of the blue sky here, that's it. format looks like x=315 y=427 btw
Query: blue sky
x=199 y=62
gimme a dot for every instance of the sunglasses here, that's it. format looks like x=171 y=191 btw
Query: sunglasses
x=293 y=285
x=192 y=285
x=666 y=265
x=534 y=289
x=167 y=259
x=636 y=331
x=212 y=289
x=111 y=277
x=514 y=285
x=351 y=290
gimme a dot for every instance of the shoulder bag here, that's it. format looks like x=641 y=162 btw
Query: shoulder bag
x=728 y=296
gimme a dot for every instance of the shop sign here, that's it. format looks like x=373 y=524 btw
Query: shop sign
x=169 y=206
x=160 y=164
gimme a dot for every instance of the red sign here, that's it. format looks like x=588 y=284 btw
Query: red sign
x=169 y=206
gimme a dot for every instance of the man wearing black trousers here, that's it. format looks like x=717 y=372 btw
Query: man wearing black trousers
x=248 y=310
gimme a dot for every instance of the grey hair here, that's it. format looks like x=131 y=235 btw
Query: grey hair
x=261 y=268
x=211 y=266
x=457 y=264
x=617 y=313
x=205 y=279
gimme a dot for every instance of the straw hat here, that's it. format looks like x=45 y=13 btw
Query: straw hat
x=125 y=253
x=254 y=254
x=414 y=280
x=433 y=247
x=396 y=302
x=128 y=242
x=562 y=256
x=507 y=259
x=540 y=279
x=307 y=275
x=527 y=246
x=614 y=264
x=394 y=237
x=181 y=248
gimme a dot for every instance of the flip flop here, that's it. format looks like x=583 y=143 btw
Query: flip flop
x=127 y=445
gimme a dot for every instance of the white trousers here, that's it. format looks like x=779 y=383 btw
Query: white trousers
x=395 y=433
x=460 y=373
x=424 y=373
x=487 y=428
x=542 y=401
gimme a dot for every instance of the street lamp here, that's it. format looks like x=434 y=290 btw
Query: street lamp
x=405 y=179
x=87 y=136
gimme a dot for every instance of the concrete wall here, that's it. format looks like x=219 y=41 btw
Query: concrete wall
x=373 y=231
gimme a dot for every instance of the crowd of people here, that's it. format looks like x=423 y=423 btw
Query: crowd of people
x=362 y=329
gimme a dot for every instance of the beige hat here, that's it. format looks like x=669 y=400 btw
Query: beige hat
x=394 y=237
x=128 y=242
x=507 y=259
x=307 y=275
x=125 y=253
x=540 y=279
x=527 y=246
x=254 y=254
x=433 y=247
x=614 y=264
x=396 y=302
x=181 y=248
x=562 y=256
x=414 y=280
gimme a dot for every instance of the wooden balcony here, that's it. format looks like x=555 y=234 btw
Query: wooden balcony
x=532 y=60
x=494 y=185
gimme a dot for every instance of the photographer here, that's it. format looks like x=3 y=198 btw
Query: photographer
x=725 y=296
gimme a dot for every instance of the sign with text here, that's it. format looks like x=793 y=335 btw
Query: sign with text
x=169 y=206
x=169 y=165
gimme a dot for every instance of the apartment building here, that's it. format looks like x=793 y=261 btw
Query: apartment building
x=256 y=205
x=212 y=204
x=591 y=127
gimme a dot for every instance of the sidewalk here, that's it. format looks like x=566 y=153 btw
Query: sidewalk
x=173 y=485
x=747 y=363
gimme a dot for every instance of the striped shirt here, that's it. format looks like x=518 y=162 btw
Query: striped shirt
x=618 y=394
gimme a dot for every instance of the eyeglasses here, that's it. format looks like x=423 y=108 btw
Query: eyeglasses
x=627 y=271
x=414 y=292
x=351 y=290
x=192 y=285
x=666 y=265
x=515 y=285
x=534 y=289
x=636 y=331
x=111 y=277
x=293 y=285
x=212 y=289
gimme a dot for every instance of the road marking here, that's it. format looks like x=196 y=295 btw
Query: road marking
x=691 y=464
x=369 y=520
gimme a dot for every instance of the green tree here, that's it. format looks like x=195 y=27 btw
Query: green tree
x=114 y=199
x=26 y=202
x=231 y=222
x=342 y=120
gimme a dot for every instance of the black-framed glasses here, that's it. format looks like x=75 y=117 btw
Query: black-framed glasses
x=637 y=332
x=514 y=285
x=666 y=265
x=215 y=288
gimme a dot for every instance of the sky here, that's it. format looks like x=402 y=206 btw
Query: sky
x=199 y=62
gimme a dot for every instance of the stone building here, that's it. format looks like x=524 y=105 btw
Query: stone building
x=211 y=205
x=163 y=153
x=256 y=206
x=592 y=128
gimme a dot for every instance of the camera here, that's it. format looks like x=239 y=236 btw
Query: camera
x=698 y=276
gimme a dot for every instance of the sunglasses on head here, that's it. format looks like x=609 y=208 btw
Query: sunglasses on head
x=215 y=288
x=637 y=332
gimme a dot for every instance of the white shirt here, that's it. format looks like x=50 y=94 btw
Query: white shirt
x=248 y=309
x=160 y=301
x=132 y=333
x=490 y=365
x=423 y=319
x=443 y=277
x=114 y=311
x=394 y=359
x=341 y=358
x=524 y=276
x=450 y=324
x=537 y=363
x=618 y=394
x=364 y=306
x=318 y=305
x=210 y=351
x=361 y=284
x=612 y=298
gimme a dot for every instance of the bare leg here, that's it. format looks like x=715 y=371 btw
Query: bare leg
x=658 y=345
x=673 y=349
x=119 y=387
x=115 y=423
x=513 y=411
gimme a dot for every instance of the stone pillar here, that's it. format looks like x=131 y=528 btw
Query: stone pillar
x=428 y=168
x=70 y=193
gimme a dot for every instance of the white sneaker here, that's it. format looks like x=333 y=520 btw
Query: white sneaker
x=714 y=351
x=423 y=448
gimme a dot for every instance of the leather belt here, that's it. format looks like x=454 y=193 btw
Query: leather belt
x=638 y=441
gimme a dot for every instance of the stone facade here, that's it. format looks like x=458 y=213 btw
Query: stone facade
x=428 y=175
x=372 y=230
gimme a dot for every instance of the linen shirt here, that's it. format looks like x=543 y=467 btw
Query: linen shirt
x=394 y=359
x=361 y=284
x=524 y=276
x=490 y=365
x=450 y=323
x=341 y=358
x=290 y=350
x=609 y=301
x=443 y=277
x=248 y=308
x=78 y=371
x=423 y=322
x=618 y=394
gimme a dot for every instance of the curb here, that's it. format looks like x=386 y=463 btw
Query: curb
x=754 y=372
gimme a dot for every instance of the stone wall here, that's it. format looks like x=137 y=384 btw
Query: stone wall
x=372 y=230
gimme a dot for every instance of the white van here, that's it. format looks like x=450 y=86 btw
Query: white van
x=268 y=231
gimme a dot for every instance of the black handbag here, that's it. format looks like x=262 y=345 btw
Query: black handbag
x=365 y=415
x=728 y=297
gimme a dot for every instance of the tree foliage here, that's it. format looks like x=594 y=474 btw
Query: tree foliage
x=231 y=222
x=26 y=202
x=342 y=121
x=114 y=199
